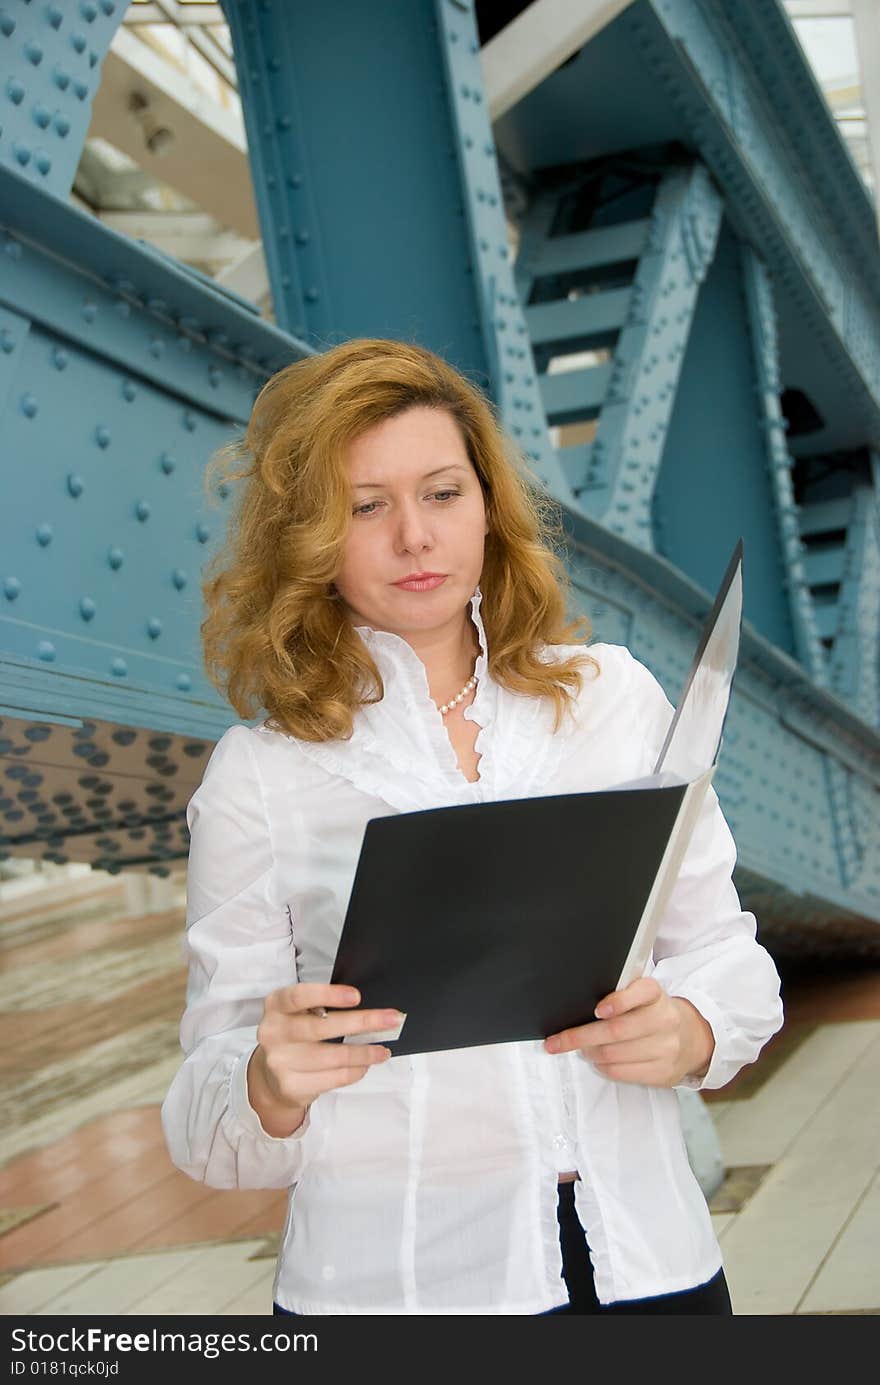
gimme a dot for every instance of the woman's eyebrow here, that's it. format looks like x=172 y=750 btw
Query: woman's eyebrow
x=454 y=466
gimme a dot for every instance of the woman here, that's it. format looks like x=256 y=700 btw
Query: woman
x=392 y=599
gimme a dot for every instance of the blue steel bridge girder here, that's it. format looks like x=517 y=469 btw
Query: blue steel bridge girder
x=762 y=326
x=613 y=478
x=120 y=372
x=855 y=658
x=438 y=272
x=648 y=356
x=737 y=82
x=52 y=55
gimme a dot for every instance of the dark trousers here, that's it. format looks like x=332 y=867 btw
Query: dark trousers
x=577 y=1270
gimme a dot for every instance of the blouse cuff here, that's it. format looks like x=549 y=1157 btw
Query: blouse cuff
x=241 y=1110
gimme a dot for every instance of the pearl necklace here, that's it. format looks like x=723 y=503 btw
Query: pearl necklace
x=447 y=706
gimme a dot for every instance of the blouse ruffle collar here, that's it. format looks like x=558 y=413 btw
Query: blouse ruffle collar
x=400 y=751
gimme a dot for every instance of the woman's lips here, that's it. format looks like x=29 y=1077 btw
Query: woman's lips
x=421 y=584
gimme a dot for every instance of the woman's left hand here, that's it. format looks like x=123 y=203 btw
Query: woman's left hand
x=642 y=1035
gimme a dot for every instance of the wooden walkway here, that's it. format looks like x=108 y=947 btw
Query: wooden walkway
x=94 y=1218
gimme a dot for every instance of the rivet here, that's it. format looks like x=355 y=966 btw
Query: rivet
x=42 y=116
x=46 y=651
x=87 y=608
x=118 y=667
x=22 y=154
x=189 y=421
x=60 y=358
x=142 y=510
x=7 y=341
x=34 y=53
x=129 y=391
x=312 y=295
x=78 y=42
x=302 y=237
x=115 y=558
x=29 y=405
x=61 y=80
x=179 y=578
x=102 y=435
x=157 y=346
x=75 y=484
x=55 y=15
x=154 y=627
x=203 y=533
x=167 y=463
x=15 y=91
x=42 y=160
x=7 y=25
x=89 y=311
x=88 y=11
x=11 y=588
x=215 y=375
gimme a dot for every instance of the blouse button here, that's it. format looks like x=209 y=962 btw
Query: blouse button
x=329 y=1272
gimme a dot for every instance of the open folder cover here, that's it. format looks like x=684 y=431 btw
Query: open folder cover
x=508 y=920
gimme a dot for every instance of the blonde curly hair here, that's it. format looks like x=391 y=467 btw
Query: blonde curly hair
x=275 y=636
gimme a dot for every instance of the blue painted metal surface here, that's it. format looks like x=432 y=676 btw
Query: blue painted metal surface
x=692 y=237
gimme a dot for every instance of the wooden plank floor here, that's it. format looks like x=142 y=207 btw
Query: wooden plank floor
x=90 y=1003
x=94 y=1218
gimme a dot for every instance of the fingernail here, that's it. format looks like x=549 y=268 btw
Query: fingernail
x=552 y=1045
x=603 y=1011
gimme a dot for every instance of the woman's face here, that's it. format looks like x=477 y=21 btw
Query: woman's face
x=417 y=506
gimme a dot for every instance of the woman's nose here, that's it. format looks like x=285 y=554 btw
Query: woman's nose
x=413 y=528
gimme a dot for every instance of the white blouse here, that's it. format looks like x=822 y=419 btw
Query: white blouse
x=430 y=1185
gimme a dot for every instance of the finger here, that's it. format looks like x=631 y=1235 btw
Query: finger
x=652 y=1074
x=652 y=1048
x=329 y=1080
x=307 y=995
x=320 y=1057
x=339 y=1023
x=306 y=1027
x=636 y=1025
x=643 y=991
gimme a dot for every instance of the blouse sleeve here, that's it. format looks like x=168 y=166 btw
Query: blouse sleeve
x=239 y=947
x=706 y=949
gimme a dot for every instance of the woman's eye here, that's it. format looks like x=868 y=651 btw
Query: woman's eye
x=443 y=496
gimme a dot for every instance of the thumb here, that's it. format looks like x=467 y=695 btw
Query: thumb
x=643 y=991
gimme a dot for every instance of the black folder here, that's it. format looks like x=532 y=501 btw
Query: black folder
x=502 y=921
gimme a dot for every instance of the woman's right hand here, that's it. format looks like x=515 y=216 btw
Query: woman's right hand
x=292 y=1064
